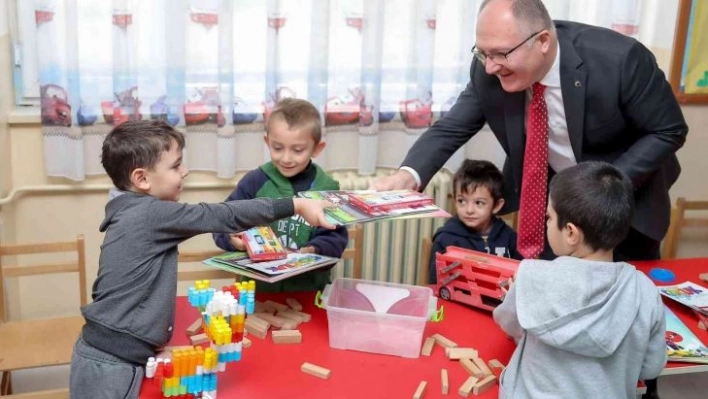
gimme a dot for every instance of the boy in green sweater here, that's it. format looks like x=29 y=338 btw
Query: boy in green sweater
x=293 y=136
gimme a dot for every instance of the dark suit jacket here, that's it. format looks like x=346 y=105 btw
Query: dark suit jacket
x=619 y=109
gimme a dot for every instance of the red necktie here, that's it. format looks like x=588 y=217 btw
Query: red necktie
x=532 y=211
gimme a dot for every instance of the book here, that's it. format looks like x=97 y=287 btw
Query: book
x=687 y=293
x=385 y=201
x=262 y=244
x=269 y=271
x=347 y=213
x=682 y=345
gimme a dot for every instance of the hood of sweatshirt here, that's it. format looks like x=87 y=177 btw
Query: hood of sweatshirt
x=590 y=321
x=454 y=226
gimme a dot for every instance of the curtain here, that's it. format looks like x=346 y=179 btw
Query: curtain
x=380 y=72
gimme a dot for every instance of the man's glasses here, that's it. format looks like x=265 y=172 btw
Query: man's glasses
x=499 y=58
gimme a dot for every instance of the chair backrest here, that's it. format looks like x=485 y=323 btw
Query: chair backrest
x=679 y=221
x=355 y=250
x=425 y=250
x=200 y=272
x=76 y=266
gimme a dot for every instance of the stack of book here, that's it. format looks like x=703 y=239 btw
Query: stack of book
x=682 y=344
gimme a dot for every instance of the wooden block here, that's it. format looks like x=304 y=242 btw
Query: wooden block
x=278 y=306
x=471 y=368
x=704 y=277
x=294 y=304
x=199 y=339
x=483 y=385
x=292 y=315
x=427 y=346
x=194 y=328
x=482 y=366
x=317 y=371
x=289 y=325
x=444 y=342
x=263 y=308
x=255 y=320
x=444 y=382
x=246 y=343
x=496 y=366
x=305 y=316
x=421 y=390
x=275 y=321
x=460 y=353
x=467 y=386
x=286 y=337
x=702 y=326
x=256 y=327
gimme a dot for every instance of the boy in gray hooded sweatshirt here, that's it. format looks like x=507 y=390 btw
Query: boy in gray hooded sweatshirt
x=585 y=326
x=132 y=313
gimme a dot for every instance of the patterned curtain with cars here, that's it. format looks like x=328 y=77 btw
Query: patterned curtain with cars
x=380 y=72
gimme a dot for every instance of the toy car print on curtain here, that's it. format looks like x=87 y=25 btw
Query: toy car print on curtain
x=380 y=72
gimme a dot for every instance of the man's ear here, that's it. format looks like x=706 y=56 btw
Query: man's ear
x=139 y=179
x=573 y=235
x=498 y=206
x=318 y=148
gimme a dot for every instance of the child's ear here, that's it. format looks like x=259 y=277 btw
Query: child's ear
x=265 y=139
x=573 y=235
x=139 y=179
x=498 y=206
x=318 y=148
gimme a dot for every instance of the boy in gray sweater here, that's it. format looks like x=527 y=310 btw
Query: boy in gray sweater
x=132 y=313
x=585 y=326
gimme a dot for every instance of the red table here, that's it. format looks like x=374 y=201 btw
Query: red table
x=269 y=371
x=685 y=270
x=273 y=371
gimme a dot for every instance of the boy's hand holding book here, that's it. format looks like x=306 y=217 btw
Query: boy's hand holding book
x=313 y=211
x=237 y=242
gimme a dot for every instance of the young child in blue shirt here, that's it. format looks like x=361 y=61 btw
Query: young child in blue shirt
x=293 y=136
x=477 y=191
x=585 y=326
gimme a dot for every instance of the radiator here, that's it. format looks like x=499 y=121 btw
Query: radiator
x=392 y=248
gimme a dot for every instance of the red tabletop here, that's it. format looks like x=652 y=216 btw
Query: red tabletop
x=267 y=370
x=685 y=270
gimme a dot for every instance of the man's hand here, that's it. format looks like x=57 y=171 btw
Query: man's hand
x=313 y=211
x=401 y=180
x=237 y=242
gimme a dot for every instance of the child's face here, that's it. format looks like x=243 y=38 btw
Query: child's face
x=291 y=149
x=165 y=178
x=556 y=236
x=475 y=209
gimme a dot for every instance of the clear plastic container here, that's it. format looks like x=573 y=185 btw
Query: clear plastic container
x=377 y=317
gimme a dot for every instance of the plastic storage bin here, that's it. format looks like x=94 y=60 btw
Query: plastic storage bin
x=377 y=317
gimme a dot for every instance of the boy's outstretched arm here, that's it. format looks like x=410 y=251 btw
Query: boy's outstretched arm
x=330 y=242
x=656 y=356
x=313 y=211
x=243 y=190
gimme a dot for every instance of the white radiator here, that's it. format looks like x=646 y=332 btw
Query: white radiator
x=392 y=248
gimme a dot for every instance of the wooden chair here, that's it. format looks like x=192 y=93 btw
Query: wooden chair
x=425 y=250
x=62 y=393
x=39 y=342
x=355 y=250
x=679 y=221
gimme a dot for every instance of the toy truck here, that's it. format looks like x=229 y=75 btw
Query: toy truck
x=472 y=277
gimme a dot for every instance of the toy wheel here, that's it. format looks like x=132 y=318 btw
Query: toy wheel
x=445 y=293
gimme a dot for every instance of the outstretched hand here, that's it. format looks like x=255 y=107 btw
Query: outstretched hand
x=237 y=242
x=401 y=180
x=313 y=211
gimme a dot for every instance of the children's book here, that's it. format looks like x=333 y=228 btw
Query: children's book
x=269 y=271
x=690 y=294
x=347 y=212
x=682 y=345
x=386 y=201
x=262 y=244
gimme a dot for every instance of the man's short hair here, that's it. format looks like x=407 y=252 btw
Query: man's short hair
x=474 y=173
x=532 y=13
x=598 y=198
x=298 y=114
x=136 y=144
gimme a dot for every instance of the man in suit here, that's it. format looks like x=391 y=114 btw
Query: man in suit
x=605 y=100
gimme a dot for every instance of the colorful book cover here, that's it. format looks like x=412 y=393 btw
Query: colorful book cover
x=347 y=213
x=690 y=294
x=269 y=271
x=682 y=345
x=262 y=244
x=384 y=201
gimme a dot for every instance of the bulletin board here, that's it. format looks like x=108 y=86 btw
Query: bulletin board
x=689 y=61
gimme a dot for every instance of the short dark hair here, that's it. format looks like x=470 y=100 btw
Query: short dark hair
x=474 y=173
x=532 y=13
x=136 y=144
x=598 y=198
x=298 y=114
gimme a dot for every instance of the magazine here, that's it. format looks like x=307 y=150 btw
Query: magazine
x=269 y=271
x=682 y=345
x=690 y=294
x=385 y=201
x=347 y=213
